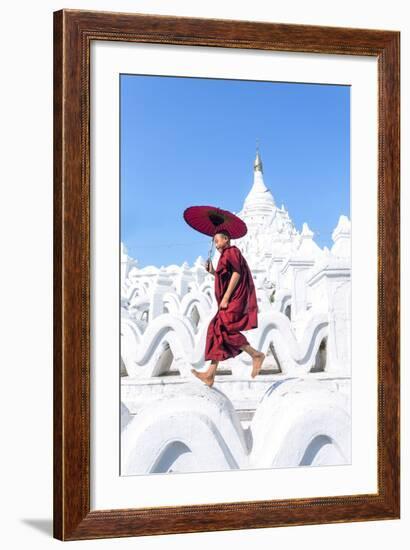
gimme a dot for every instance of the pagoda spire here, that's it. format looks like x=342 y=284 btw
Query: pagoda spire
x=257 y=165
x=259 y=197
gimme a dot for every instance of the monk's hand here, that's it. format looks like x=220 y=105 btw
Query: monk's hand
x=209 y=266
x=224 y=303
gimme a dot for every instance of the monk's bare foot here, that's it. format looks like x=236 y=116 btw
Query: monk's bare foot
x=208 y=379
x=257 y=363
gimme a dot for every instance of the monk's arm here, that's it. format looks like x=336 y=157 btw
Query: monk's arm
x=232 y=284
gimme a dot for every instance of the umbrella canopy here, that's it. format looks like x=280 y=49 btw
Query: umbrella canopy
x=211 y=219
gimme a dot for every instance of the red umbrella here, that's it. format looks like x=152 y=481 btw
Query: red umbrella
x=211 y=219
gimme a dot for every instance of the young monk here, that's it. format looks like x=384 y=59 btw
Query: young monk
x=237 y=310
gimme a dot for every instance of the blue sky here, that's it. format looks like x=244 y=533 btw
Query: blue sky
x=192 y=141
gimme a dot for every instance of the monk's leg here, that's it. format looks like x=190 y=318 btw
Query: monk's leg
x=257 y=358
x=207 y=377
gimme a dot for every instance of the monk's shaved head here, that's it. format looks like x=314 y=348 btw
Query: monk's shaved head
x=222 y=239
x=224 y=233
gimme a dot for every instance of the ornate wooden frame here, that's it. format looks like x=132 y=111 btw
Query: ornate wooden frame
x=73 y=32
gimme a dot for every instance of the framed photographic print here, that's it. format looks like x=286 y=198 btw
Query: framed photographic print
x=226 y=274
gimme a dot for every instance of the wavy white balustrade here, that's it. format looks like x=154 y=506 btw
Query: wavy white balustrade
x=201 y=423
x=301 y=422
x=198 y=429
x=142 y=352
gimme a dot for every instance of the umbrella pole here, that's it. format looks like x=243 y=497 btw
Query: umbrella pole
x=210 y=250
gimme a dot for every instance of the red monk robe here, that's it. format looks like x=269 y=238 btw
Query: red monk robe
x=223 y=338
